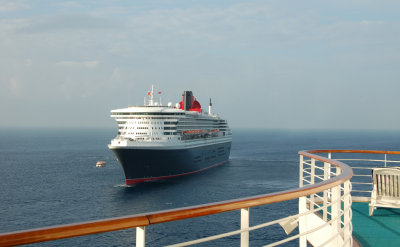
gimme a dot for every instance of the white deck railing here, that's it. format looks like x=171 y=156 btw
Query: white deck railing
x=331 y=208
x=324 y=217
x=362 y=162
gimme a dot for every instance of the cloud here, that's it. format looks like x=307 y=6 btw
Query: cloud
x=79 y=64
x=116 y=75
x=294 y=54
x=70 y=4
x=69 y=22
x=8 y=6
x=15 y=86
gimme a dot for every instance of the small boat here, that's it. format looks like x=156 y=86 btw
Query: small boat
x=100 y=164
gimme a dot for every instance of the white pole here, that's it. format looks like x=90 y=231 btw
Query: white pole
x=302 y=208
x=140 y=236
x=244 y=223
x=347 y=214
x=385 y=159
x=312 y=181
x=325 y=194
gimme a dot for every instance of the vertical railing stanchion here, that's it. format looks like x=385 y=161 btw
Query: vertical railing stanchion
x=140 y=236
x=347 y=213
x=385 y=159
x=326 y=177
x=336 y=205
x=301 y=171
x=302 y=207
x=335 y=210
x=329 y=174
x=244 y=223
x=312 y=181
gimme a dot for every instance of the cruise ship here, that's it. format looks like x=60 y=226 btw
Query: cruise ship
x=158 y=142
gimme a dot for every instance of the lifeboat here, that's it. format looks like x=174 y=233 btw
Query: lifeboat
x=193 y=131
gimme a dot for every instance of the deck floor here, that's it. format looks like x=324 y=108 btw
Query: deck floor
x=381 y=229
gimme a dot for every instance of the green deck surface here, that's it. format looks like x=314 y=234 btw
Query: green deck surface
x=381 y=229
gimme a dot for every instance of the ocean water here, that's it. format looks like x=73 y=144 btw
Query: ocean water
x=48 y=177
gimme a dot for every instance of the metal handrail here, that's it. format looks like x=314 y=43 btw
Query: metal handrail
x=146 y=219
x=386 y=161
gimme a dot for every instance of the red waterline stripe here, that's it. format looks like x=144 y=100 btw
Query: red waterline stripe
x=139 y=180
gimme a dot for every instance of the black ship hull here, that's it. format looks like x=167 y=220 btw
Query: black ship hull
x=142 y=165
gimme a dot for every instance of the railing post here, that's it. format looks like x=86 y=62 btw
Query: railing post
x=385 y=159
x=244 y=223
x=312 y=181
x=302 y=207
x=329 y=174
x=329 y=166
x=140 y=236
x=303 y=221
x=347 y=237
x=336 y=205
x=301 y=171
x=326 y=177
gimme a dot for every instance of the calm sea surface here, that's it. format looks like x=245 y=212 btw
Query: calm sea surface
x=48 y=177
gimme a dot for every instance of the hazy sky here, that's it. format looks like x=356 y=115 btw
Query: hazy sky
x=266 y=64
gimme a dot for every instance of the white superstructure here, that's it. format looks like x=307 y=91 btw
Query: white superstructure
x=157 y=125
